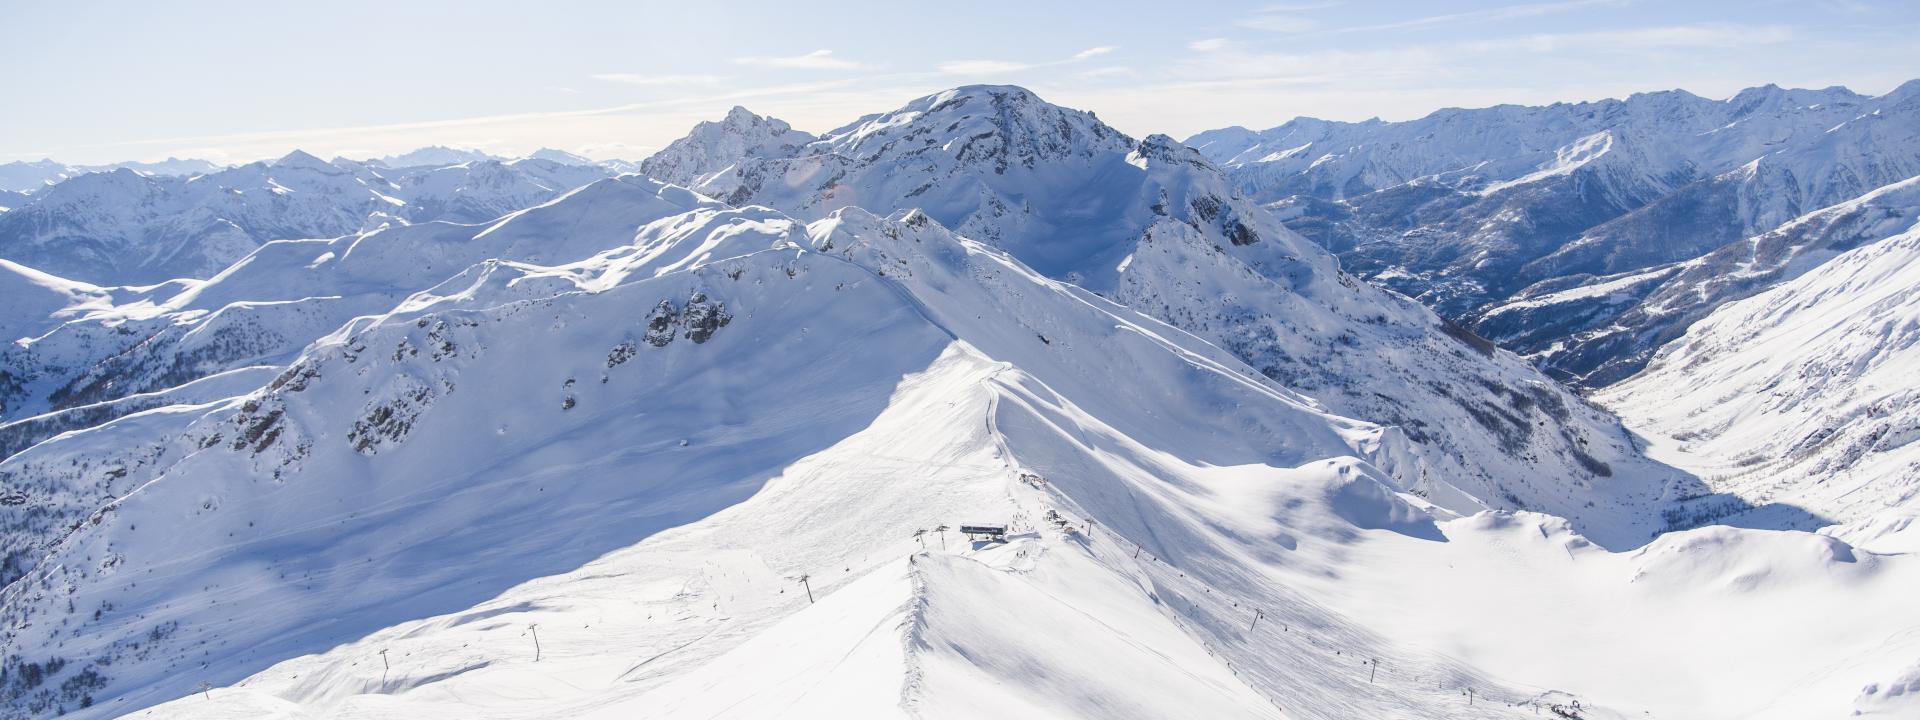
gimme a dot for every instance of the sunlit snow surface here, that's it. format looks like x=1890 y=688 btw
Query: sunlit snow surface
x=574 y=463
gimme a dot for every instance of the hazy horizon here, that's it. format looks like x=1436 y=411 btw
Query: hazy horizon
x=226 y=83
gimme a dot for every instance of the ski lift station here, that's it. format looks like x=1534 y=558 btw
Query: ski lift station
x=982 y=531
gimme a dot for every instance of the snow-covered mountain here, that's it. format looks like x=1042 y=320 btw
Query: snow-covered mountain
x=1154 y=225
x=25 y=177
x=636 y=451
x=478 y=191
x=722 y=401
x=716 y=146
x=559 y=156
x=1465 y=209
x=1802 y=402
x=86 y=355
x=437 y=156
x=129 y=228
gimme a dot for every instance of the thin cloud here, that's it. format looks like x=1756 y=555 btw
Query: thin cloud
x=991 y=67
x=816 y=60
x=655 y=80
x=616 y=151
x=1673 y=36
x=1508 y=12
x=1300 y=7
x=980 y=67
x=1111 y=71
x=1278 y=23
x=1427 y=63
x=330 y=134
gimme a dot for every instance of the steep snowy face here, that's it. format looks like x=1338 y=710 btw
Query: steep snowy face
x=714 y=146
x=127 y=228
x=1599 y=330
x=1464 y=209
x=1154 y=225
x=1801 y=403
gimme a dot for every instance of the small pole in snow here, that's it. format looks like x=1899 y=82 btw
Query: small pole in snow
x=1469 y=696
x=1257 y=614
x=535 y=629
x=1375 y=669
x=920 y=536
x=384 y=667
x=206 y=688
x=1136 y=551
x=803 y=583
x=1090 y=524
x=942 y=532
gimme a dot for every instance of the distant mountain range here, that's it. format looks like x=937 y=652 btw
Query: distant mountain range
x=1495 y=217
x=28 y=176
x=128 y=227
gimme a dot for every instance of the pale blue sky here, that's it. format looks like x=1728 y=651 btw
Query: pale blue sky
x=230 y=81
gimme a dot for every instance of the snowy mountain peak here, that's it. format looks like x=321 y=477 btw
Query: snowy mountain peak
x=1014 y=93
x=303 y=159
x=999 y=125
x=713 y=146
x=1153 y=225
x=740 y=116
x=1166 y=149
